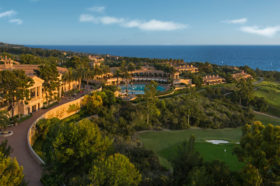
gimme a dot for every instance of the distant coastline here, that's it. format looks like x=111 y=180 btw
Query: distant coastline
x=262 y=57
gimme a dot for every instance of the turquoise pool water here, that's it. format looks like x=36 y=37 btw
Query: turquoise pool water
x=138 y=88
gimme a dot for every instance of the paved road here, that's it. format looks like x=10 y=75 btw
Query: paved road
x=18 y=141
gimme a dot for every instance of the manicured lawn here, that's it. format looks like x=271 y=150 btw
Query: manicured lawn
x=165 y=144
x=271 y=93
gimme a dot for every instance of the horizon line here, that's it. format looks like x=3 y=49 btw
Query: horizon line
x=148 y=44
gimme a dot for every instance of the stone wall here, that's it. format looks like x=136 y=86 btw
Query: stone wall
x=64 y=111
x=60 y=112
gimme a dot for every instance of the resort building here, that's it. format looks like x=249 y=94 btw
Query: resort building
x=182 y=83
x=95 y=60
x=149 y=74
x=241 y=75
x=115 y=81
x=37 y=94
x=213 y=80
x=103 y=76
x=186 y=68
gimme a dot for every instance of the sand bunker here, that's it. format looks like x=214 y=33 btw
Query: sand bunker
x=216 y=142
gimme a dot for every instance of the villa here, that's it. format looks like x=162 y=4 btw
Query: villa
x=186 y=68
x=213 y=80
x=37 y=94
x=241 y=75
x=95 y=60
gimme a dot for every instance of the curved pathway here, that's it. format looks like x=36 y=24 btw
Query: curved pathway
x=268 y=115
x=18 y=141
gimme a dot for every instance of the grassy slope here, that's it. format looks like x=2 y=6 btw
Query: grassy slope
x=266 y=119
x=271 y=92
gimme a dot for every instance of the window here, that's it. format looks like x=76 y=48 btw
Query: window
x=32 y=93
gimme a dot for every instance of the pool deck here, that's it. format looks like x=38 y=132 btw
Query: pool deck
x=140 y=91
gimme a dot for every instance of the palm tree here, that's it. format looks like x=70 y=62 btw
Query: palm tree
x=118 y=73
x=172 y=72
x=89 y=75
x=78 y=75
x=68 y=76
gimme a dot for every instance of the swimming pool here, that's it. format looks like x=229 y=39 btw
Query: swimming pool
x=138 y=88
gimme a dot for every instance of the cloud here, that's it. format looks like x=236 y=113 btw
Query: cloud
x=11 y=14
x=7 y=13
x=111 y=20
x=236 y=21
x=155 y=25
x=265 y=31
x=151 y=25
x=98 y=9
x=16 y=21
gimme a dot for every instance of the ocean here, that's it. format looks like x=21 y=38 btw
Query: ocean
x=262 y=57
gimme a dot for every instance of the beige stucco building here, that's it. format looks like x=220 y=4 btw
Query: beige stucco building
x=241 y=75
x=95 y=61
x=37 y=96
x=186 y=68
x=213 y=80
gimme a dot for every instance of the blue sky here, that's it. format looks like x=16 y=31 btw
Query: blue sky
x=140 y=22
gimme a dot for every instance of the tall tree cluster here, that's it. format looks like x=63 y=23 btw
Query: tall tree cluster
x=14 y=86
x=77 y=153
x=48 y=72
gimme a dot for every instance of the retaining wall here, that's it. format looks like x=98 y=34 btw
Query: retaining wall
x=60 y=112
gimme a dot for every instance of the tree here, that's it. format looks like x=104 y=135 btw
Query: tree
x=125 y=74
x=4 y=120
x=48 y=72
x=115 y=170
x=131 y=66
x=10 y=172
x=68 y=77
x=197 y=80
x=73 y=62
x=29 y=59
x=251 y=176
x=259 y=104
x=118 y=73
x=212 y=173
x=5 y=149
x=189 y=102
x=172 y=72
x=259 y=147
x=92 y=103
x=73 y=151
x=14 y=86
x=89 y=75
x=79 y=75
x=244 y=91
x=108 y=97
x=151 y=101
x=186 y=160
